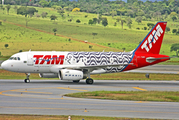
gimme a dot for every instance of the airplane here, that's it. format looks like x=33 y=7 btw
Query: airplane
x=75 y=66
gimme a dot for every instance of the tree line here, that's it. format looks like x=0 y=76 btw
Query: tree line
x=147 y=10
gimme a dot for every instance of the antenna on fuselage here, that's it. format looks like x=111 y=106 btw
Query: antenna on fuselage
x=30 y=50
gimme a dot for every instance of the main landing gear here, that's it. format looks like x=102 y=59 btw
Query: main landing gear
x=27 y=80
x=89 y=81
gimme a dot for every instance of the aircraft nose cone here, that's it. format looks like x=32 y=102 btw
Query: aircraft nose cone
x=3 y=65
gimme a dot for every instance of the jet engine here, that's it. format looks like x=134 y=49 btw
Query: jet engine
x=48 y=75
x=65 y=74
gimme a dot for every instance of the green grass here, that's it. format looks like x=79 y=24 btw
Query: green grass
x=162 y=96
x=62 y=117
x=113 y=76
x=117 y=37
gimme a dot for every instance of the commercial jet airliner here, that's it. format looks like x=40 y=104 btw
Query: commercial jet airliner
x=75 y=66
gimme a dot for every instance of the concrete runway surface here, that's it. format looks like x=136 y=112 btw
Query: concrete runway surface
x=46 y=98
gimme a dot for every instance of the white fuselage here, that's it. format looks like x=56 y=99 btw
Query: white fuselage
x=51 y=62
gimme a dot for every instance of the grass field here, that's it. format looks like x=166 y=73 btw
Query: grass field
x=62 y=117
x=29 y=38
x=162 y=96
x=113 y=76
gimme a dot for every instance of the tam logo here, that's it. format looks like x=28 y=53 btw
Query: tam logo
x=49 y=59
x=152 y=38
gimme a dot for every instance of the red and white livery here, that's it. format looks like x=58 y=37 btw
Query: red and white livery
x=76 y=66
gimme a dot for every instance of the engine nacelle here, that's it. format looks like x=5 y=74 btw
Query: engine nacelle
x=65 y=74
x=48 y=75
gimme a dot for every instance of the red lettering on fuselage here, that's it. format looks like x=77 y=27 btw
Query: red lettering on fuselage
x=37 y=58
x=56 y=59
x=49 y=59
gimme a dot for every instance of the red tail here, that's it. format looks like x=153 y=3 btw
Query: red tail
x=152 y=42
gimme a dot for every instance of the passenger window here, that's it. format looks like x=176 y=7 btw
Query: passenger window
x=25 y=61
x=66 y=75
x=69 y=74
x=72 y=75
x=15 y=58
x=18 y=58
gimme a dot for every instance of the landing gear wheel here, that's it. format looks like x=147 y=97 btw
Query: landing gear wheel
x=27 y=81
x=76 y=81
x=89 y=81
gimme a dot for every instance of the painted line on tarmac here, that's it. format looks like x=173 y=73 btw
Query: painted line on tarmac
x=21 y=91
x=139 y=88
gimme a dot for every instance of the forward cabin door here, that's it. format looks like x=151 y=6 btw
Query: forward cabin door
x=30 y=61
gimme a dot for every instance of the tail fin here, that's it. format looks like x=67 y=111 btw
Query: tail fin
x=152 y=42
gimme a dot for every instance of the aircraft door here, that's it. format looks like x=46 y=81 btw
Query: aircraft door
x=30 y=61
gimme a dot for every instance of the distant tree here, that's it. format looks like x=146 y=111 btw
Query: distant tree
x=174 y=18
x=86 y=16
x=3 y=8
x=173 y=14
x=15 y=8
x=123 y=49
x=138 y=19
x=37 y=15
x=94 y=34
x=44 y=3
x=8 y=8
x=0 y=22
x=61 y=11
x=6 y=45
x=53 y=17
x=128 y=22
x=26 y=11
x=54 y=30
x=118 y=19
x=104 y=22
x=20 y=50
x=76 y=10
x=113 y=13
x=145 y=28
x=44 y=14
x=95 y=20
x=175 y=47
x=90 y=46
x=167 y=29
x=90 y=22
x=78 y=21
x=122 y=23
x=115 y=23
x=174 y=30
x=150 y=25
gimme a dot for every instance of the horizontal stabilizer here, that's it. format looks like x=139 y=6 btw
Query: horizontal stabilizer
x=152 y=59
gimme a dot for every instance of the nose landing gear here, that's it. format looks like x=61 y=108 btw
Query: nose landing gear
x=27 y=80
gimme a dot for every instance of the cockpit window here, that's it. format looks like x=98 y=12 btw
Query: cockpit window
x=11 y=58
x=14 y=58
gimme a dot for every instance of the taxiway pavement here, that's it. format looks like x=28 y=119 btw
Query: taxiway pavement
x=45 y=97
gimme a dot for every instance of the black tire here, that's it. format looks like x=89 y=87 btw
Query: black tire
x=27 y=81
x=89 y=81
x=76 y=81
